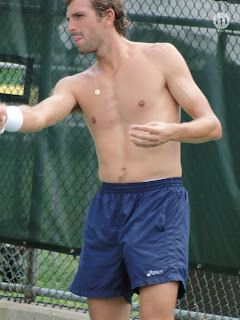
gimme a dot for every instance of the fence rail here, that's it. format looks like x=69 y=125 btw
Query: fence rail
x=40 y=276
x=68 y=296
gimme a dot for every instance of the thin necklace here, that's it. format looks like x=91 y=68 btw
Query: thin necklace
x=97 y=91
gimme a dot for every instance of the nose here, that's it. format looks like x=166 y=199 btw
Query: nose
x=71 y=27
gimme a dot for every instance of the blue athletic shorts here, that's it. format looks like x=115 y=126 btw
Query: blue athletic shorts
x=136 y=234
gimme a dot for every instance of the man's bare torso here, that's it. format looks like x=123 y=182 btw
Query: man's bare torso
x=136 y=93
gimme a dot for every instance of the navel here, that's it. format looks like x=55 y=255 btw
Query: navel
x=123 y=173
x=141 y=103
x=93 y=120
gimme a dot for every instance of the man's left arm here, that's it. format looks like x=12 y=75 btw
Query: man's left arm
x=205 y=126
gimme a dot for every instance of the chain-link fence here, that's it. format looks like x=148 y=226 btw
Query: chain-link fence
x=43 y=277
x=48 y=179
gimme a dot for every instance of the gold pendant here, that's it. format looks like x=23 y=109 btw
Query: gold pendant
x=97 y=92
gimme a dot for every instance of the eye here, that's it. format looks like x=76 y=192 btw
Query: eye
x=78 y=15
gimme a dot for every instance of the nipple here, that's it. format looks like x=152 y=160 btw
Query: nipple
x=141 y=103
x=93 y=120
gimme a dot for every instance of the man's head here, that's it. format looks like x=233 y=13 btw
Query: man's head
x=121 y=21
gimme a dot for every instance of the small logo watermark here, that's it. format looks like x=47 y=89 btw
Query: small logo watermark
x=154 y=272
x=221 y=21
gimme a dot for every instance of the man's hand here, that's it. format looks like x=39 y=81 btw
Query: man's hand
x=3 y=117
x=152 y=134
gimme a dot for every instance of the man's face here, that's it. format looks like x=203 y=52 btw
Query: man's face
x=84 y=25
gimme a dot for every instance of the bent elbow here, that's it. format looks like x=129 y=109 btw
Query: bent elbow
x=217 y=132
x=39 y=126
x=36 y=125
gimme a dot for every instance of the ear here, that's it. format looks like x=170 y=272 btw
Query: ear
x=109 y=17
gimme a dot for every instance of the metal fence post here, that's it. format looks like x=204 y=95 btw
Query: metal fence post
x=48 y=9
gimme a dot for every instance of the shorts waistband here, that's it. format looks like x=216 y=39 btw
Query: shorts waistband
x=141 y=186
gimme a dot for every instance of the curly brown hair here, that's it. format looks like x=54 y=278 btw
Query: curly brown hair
x=121 y=21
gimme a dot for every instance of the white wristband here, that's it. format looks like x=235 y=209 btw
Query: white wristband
x=14 y=119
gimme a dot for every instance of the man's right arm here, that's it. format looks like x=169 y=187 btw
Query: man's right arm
x=49 y=111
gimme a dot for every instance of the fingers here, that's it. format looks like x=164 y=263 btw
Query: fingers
x=149 y=135
x=145 y=143
x=145 y=139
x=147 y=131
x=142 y=136
x=151 y=127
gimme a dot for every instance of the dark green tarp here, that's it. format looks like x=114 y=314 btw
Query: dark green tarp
x=48 y=179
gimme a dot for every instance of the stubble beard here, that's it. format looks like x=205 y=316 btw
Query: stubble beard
x=91 y=45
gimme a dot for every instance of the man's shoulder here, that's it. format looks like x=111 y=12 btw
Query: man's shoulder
x=164 y=54
x=78 y=77
x=162 y=49
x=158 y=51
x=77 y=80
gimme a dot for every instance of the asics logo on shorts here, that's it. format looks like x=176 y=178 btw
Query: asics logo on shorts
x=154 y=273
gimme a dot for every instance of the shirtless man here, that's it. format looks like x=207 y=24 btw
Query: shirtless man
x=136 y=233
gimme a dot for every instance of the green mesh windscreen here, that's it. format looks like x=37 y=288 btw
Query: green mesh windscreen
x=48 y=179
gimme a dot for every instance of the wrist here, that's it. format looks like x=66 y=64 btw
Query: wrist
x=176 y=130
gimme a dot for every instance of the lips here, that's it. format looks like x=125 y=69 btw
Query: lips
x=77 y=38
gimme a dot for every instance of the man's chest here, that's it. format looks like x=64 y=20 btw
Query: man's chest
x=126 y=96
